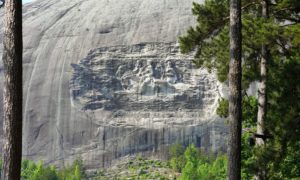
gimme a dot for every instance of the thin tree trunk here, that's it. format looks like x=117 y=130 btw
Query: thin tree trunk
x=235 y=98
x=12 y=61
x=262 y=94
x=262 y=86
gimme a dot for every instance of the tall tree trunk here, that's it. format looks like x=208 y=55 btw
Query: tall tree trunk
x=262 y=86
x=12 y=61
x=262 y=93
x=235 y=98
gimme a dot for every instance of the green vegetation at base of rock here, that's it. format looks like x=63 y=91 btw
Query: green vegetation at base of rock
x=184 y=163
x=39 y=171
x=139 y=168
x=193 y=163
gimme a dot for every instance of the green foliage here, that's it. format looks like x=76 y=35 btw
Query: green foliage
x=217 y=170
x=222 y=109
x=209 y=17
x=138 y=168
x=196 y=164
x=249 y=104
x=176 y=150
x=283 y=116
x=178 y=163
x=209 y=37
x=281 y=33
x=211 y=41
x=177 y=159
x=280 y=155
x=192 y=159
x=77 y=173
x=249 y=114
x=33 y=171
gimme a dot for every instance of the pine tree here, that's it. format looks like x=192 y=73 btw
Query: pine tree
x=235 y=89
x=279 y=33
x=77 y=173
x=12 y=61
x=190 y=169
x=262 y=86
x=262 y=90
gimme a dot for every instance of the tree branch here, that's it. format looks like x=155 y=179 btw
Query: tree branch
x=243 y=8
x=285 y=25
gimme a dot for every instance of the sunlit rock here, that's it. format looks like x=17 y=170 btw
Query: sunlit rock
x=148 y=89
x=104 y=79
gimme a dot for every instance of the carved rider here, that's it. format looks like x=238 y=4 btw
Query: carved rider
x=170 y=73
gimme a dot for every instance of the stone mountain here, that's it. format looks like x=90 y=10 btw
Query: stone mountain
x=104 y=79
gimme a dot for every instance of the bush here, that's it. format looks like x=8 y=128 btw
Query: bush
x=193 y=164
x=32 y=171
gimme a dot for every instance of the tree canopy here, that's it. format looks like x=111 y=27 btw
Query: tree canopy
x=281 y=33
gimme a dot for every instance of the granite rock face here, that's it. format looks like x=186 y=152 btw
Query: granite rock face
x=144 y=77
x=144 y=97
x=104 y=79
